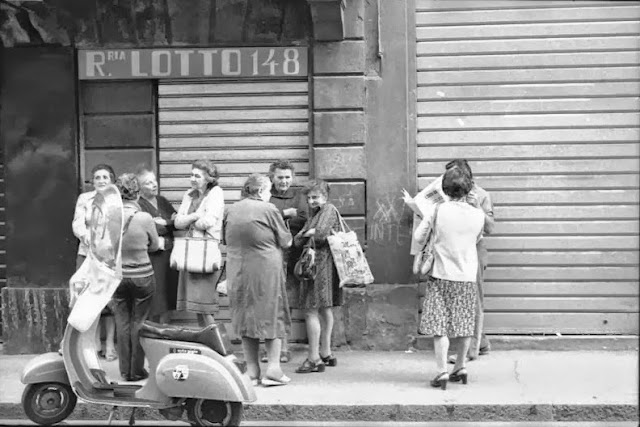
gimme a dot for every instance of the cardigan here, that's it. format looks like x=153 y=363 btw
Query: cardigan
x=211 y=211
x=138 y=240
x=81 y=220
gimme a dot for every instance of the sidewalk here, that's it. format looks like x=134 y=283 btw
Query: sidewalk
x=393 y=386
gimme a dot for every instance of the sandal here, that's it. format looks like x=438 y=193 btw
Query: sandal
x=329 y=360
x=440 y=381
x=285 y=356
x=308 y=366
x=269 y=382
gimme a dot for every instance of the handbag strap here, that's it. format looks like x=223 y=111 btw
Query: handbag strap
x=126 y=224
x=433 y=228
x=344 y=227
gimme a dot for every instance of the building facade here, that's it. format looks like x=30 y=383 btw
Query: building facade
x=541 y=97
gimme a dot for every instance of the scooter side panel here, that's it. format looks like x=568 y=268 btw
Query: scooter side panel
x=195 y=376
x=47 y=367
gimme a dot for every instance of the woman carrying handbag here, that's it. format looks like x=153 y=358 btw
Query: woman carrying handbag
x=201 y=213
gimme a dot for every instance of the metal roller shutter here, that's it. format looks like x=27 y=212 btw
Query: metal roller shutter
x=542 y=98
x=242 y=126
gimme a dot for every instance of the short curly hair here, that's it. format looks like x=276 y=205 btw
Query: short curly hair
x=318 y=185
x=210 y=169
x=255 y=184
x=281 y=164
x=127 y=184
x=104 y=167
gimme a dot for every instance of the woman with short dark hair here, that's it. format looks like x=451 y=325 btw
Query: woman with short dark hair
x=133 y=296
x=201 y=212
x=256 y=235
x=450 y=300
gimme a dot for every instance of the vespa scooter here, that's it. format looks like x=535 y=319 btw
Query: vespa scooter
x=190 y=369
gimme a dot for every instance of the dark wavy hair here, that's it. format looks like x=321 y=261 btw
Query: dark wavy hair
x=104 y=167
x=456 y=183
x=318 y=185
x=462 y=164
x=210 y=169
x=127 y=184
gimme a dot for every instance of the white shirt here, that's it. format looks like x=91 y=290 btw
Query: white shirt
x=458 y=229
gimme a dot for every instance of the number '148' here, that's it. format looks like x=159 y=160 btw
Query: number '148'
x=290 y=63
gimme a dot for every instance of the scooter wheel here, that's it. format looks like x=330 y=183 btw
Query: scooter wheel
x=48 y=403
x=203 y=412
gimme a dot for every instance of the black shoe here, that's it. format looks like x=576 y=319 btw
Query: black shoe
x=440 y=380
x=329 y=360
x=308 y=366
x=142 y=376
x=459 y=375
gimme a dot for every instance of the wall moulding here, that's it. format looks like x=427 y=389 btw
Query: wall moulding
x=328 y=19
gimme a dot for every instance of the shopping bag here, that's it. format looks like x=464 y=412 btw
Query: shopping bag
x=348 y=257
x=93 y=285
x=195 y=254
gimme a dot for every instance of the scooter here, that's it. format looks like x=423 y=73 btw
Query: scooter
x=191 y=369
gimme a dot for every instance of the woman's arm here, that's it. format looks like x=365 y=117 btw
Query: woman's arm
x=211 y=211
x=79 y=223
x=422 y=231
x=184 y=220
x=283 y=236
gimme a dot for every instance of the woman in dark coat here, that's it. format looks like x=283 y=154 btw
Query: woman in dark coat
x=163 y=213
x=255 y=234
x=317 y=296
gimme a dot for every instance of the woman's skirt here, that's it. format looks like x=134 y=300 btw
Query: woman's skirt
x=449 y=308
x=197 y=292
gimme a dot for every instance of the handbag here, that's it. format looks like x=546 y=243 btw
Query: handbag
x=306 y=268
x=423 y=261
x=348 y=257
x=195 y=254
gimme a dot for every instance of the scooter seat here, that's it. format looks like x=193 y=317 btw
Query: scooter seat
x=209 y=335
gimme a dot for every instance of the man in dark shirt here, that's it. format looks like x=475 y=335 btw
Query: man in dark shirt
x=293 y=207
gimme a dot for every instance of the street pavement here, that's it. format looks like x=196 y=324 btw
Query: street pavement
x=533 y=386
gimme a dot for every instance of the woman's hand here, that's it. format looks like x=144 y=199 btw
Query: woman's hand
x=200 y=224
x=310 y=232
x=406 y=197
x=160 y=221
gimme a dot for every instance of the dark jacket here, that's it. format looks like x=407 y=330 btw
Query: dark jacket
x=292 y=198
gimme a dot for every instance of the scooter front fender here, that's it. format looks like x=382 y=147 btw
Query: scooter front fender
x=47 y=367
x=201 y=377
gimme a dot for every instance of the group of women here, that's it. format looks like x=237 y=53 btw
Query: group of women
x=256 y=237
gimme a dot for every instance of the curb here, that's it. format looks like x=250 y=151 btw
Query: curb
x=552 y=343
x=406 y=413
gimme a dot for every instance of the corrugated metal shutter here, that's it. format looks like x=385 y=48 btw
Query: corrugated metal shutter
x=542 y=98
x=242 y=127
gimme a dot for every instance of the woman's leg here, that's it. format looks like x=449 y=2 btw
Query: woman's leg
x=205 y=319
x=461 y=351
x=250 y=350
x=273 y=355
x=313 y=333
x=110 y=329
x=326 y=328
x=441 y=347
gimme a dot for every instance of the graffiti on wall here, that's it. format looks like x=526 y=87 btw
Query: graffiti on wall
x=389 y=222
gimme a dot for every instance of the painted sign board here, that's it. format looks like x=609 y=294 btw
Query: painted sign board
x=235 y=62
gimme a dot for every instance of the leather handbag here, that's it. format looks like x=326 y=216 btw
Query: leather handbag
x=423 y=261
x=305 y=268
x=195 y=254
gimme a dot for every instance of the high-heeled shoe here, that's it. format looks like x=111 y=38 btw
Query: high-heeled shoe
x=441 y=380
x=459 y=375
